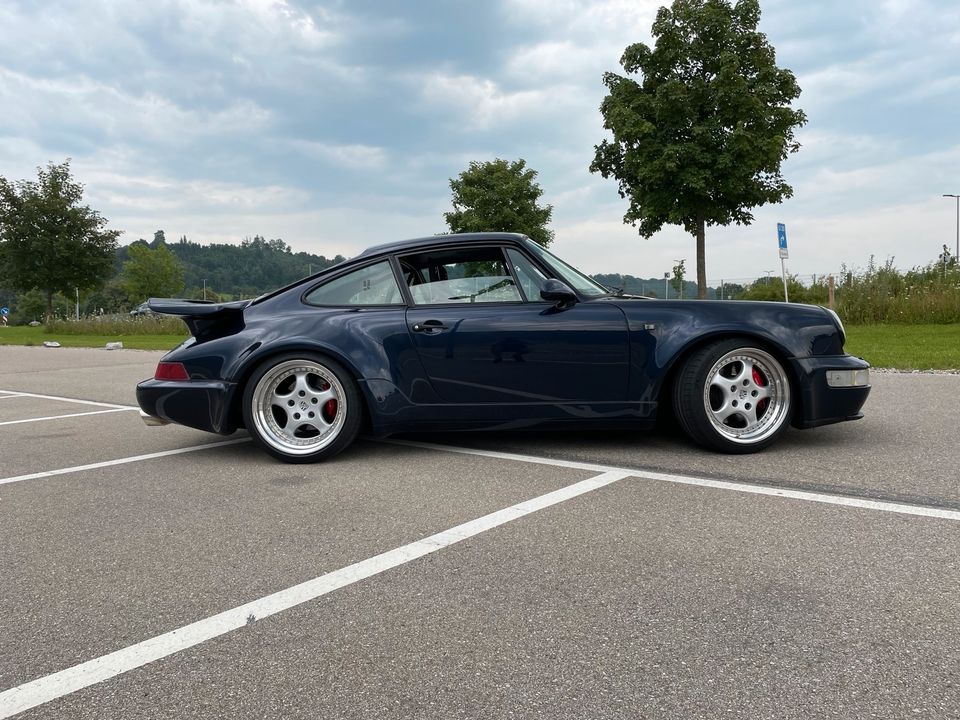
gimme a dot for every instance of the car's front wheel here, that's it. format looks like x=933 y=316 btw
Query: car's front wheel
x=302 y=408
x=733 y=397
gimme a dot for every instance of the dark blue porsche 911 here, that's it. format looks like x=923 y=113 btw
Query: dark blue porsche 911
x=490 y=331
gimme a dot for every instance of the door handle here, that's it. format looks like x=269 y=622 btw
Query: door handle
x=429 y=326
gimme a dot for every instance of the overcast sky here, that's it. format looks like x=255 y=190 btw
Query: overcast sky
x=336 y=125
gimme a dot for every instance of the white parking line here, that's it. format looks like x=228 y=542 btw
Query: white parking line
x=71 y=415
x=43 y=690
x=119 y=461
x=9 y=395
x=844 y=500
x=15 y=393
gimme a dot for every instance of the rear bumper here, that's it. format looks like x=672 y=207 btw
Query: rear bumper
x=823 y=404
x=204 y=405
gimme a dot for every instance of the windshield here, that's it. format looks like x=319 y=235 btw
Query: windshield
x=570 y=275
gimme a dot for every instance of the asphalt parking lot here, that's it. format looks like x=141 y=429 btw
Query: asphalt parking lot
x=168 y=573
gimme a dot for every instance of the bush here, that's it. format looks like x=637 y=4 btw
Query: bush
x=928 y=294
x=119 y=325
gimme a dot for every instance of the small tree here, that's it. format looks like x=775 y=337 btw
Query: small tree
x=31 y=305
x=499 y=196
x=48 y=240
x=151 y=273
x=699 y=139
x=679 y=272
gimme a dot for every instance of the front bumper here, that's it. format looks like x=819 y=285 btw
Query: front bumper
x=823 y=404
x=204 y=405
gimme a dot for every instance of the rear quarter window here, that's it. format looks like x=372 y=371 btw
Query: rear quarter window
x=371 y=285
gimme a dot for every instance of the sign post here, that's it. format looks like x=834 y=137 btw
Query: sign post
x=782 y=242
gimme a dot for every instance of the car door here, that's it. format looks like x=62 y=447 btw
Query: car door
x=483 y=338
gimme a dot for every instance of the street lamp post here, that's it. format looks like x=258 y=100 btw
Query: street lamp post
x=666 y=287
x=958 y=222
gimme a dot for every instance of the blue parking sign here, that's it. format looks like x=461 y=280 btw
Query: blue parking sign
x=4 y=311
x=782 y=239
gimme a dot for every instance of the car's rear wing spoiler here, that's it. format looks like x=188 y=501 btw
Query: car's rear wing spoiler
x=201 y=316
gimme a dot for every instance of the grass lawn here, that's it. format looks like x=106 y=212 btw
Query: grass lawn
x=906 y=347
x=25 y=335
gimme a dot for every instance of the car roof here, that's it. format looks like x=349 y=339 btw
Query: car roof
x=439 y=240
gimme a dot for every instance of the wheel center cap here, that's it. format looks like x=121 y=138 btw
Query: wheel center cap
x=743 y=394
x=303 y=405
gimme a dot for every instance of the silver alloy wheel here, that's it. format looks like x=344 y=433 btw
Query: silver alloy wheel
x=747 y=396
x=298 y=407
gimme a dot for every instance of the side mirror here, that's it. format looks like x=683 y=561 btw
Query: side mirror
x=557 y=291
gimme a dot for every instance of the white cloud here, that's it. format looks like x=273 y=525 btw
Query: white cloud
x=353 y=157
x=95 y=108
x=477 y=102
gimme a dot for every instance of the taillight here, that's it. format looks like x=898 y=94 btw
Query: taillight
x=171 y=371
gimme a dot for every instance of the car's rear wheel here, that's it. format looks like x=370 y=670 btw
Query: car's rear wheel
x=733 y=396
x=302 y=408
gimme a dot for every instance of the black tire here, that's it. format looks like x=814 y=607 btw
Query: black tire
x=733 y=396
x=288 y=412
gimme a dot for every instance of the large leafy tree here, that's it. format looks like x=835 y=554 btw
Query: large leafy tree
x=499 y=196
x=700 y=134
x=49 y=240
x=155 y=272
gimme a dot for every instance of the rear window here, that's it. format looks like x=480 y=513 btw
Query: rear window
x=370 y=285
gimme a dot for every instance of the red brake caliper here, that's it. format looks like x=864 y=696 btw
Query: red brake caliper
x=330 y=409
x=760 y=381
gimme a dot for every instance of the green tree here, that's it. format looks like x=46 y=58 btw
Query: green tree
x=151 y=272
x=32 y=304
x=699 y=139
x=111 y=298
x=679 y=271
x=499 y=196
x=48 y=239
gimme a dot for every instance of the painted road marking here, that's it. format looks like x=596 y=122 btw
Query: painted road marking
x=16 y=393
x=43 y=690
x=71 y=415
x=844 y=500
x=118 y=461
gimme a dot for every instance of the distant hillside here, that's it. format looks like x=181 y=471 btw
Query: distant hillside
x=245 y=270
x=650 y=287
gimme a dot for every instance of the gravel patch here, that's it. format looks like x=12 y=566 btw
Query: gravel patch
x=900 y=371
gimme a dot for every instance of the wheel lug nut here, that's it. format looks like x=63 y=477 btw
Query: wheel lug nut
x=734 y=403
x=311 y=414
x=290 y=403
x=747 y=406
x=754 y=393
x=746 y=382
x=302 y=393
x=733 y=389
x=296 y=416
x=313 y=400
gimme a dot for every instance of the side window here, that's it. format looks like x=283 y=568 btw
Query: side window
x=371 y=285
x=530 y=276
x=464 y=275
